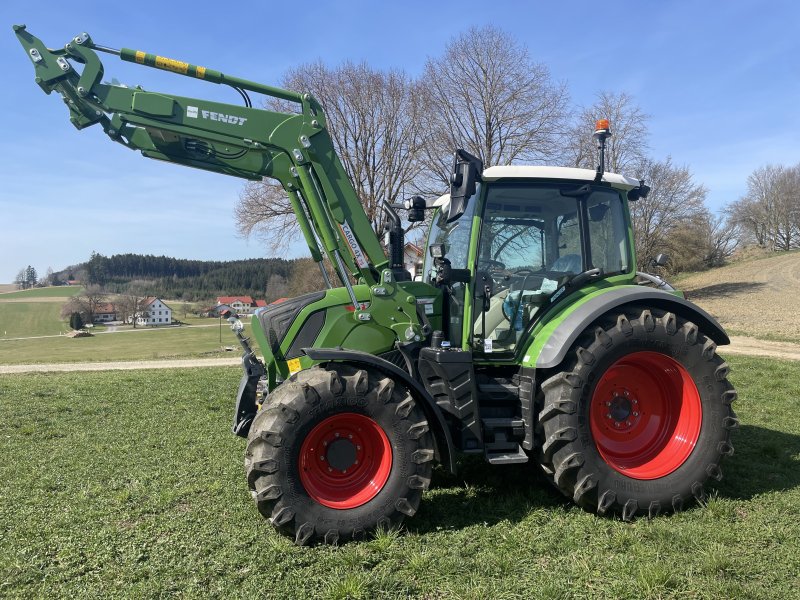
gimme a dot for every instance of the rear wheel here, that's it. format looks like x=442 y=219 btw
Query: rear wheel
x=639 y=418
x=336 y=452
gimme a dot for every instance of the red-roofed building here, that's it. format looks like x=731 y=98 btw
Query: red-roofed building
x=261 y=303
x=103 y=313
x=241 y=305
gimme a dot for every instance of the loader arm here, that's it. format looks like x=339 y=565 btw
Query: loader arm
x=294 y=148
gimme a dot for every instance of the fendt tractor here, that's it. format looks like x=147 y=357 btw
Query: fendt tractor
x=530 y=338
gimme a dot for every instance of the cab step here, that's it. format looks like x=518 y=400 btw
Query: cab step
x=507 y=458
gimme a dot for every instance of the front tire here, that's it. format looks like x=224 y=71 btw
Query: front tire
x=639 y=417
x=337 y=452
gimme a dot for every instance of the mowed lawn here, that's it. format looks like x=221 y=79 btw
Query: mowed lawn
x=130 y=485
x=27 y=319
x=141 y=344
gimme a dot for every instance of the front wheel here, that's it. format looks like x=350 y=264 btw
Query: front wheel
x=337 y=452
x=639 y=418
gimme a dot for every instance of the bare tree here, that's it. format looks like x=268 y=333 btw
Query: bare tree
x=702 y=241
x=769 y=214
x=625 y=149
x=130 y=304
x=485 y=94
x=85 y=303
x=674 y=200
x=373 y=118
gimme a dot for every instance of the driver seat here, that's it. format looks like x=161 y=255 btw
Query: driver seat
x=569 y=263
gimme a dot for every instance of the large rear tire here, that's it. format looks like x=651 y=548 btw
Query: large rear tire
x=638 y=418
x=337 y=452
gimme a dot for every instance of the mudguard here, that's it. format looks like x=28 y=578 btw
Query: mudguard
x=441 y=433
x=565 y=334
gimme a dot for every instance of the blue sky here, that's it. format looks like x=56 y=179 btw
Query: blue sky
x=721 y=81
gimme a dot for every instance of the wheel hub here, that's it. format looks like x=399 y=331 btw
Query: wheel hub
x=622 y=409
x=341 y=454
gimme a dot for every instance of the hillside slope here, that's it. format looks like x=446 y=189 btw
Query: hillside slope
x=757 y=297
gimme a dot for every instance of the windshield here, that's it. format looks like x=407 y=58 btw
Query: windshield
x=456 y=239
x=533 y=240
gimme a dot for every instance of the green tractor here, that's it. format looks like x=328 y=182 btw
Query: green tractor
x=528 y=339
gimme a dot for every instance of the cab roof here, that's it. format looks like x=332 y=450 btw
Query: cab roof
x=538 y=172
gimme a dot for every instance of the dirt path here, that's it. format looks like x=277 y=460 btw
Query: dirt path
x=753 y=297
x=122 y=365
x=739 y=345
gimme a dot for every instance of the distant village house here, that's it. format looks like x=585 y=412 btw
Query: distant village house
x=104 y=313
x=241 y=305
x=153 y=312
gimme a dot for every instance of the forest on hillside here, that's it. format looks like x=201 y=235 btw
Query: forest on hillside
x=188 y=280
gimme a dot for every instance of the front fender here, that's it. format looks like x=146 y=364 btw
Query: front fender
x=441 y=433
x=555 y=347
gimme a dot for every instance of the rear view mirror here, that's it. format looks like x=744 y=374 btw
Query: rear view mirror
x=660 y=260
x=466 y=172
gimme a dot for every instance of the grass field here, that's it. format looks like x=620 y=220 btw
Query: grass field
x=26 y=319
x=130 y=485
x=61 y=291
x=141 y=344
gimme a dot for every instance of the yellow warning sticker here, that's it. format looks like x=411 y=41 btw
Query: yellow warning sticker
x=139 y=57
x=169 y=64
x=294 y=365
x=201 y=72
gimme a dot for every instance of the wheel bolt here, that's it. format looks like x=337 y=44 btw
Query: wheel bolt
x=358 y=447
x=324 y=443
x=608 y=403
x=329 y=470
x=608 y=415
x=350 y=435
x=336 y=434
x=635 y=401
x=322 y=457
x=345 y=471
x=356 y=462
x=627 y=422
x=626 y=393
x=616 y=423
x=635 y=414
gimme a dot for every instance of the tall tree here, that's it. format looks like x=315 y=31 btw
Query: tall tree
x=769 y=213
x=97 y=269
x=373 y=118
x=626 y=149
x=31 y=277
x=486 y=95
x=20 y=279
x=674 y=200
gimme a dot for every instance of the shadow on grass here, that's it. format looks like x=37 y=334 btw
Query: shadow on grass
x=724 y=290
x=483 y=494
x=765 y=461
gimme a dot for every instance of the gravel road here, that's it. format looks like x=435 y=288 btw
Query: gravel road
x=739 y=345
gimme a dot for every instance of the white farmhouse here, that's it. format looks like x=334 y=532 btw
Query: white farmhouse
x=153 y=311
x=241 y=305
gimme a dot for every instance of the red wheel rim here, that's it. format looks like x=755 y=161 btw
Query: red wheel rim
x=645 y=415
x=345 y=461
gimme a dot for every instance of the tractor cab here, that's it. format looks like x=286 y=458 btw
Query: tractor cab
x=527 y=238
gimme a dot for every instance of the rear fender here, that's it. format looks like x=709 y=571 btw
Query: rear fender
x=444 y=443
x=553 y=349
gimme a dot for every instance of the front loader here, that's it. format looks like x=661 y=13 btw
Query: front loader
x=528 y=340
